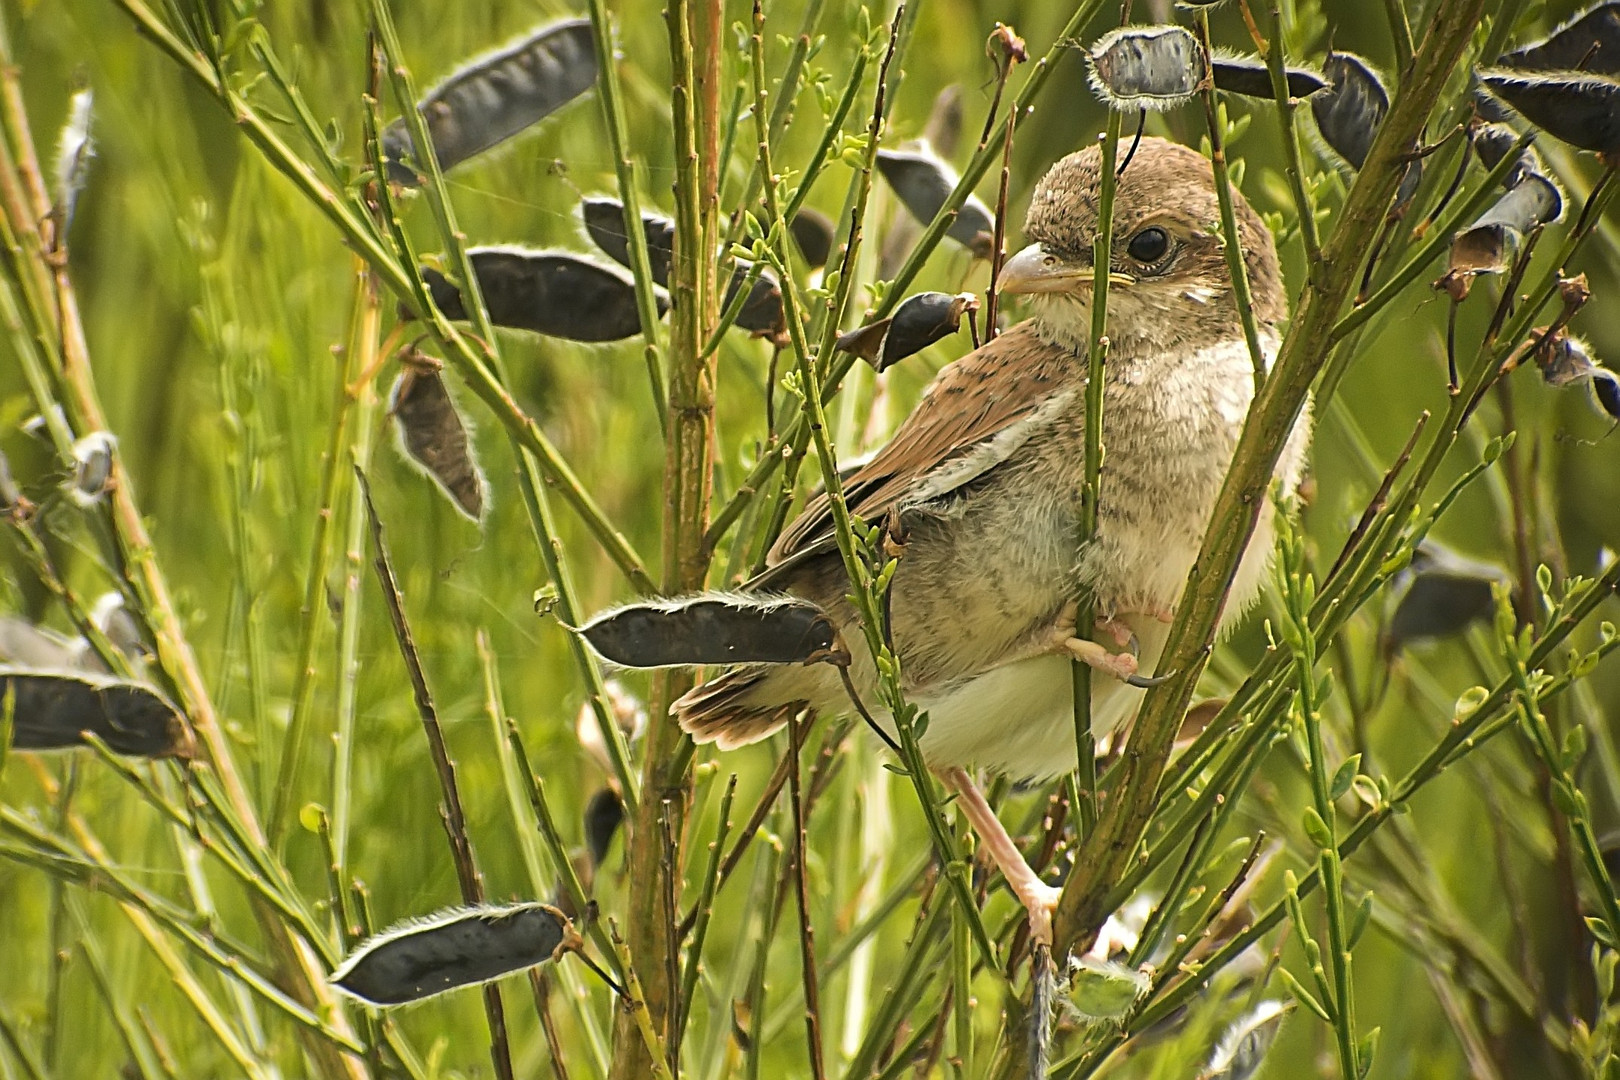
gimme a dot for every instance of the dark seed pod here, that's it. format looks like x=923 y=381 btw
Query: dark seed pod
x=761 y=312
x=1146 y=67
x=815 y=234
x=549 y=292
x=1606 y=392
x=433 y=436
x=460 y=947
x=1245 y=1043
x=1589 y=43
x=496 y=96
x=603 y=815
x=1488 y=107
x=1565 y=359
x=1349 y=111
x=1492 y=142
x=54 y=710
x=924 y=182
x=917 y=323
x=1247 y=75
x=23 y=644
x=604 y=220
x=714 y=628
x=1487 y=246
x=1447 y=594
x=1582 y=110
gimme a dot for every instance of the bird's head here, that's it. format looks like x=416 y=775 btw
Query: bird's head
x=1169 y=284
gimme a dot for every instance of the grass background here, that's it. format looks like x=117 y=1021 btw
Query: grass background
x=213 y=296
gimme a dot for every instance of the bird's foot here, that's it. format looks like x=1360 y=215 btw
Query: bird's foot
x=1038 y=898
x=1121 y=666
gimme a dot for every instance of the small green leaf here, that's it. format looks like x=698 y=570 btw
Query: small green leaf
x=1574 y=747
x=1359 y=920
x=1342 y=778
x=1317 y=829
x=1303 y=996
x=1366 y=1052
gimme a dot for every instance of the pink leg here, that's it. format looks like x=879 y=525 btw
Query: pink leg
x=1038 y=898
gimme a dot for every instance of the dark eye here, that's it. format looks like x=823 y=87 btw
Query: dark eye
x=1150 y=245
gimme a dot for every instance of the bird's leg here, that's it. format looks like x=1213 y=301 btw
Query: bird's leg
x=1121 y=666
x=1038 y=898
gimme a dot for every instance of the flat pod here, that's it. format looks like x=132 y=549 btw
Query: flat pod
x=1589 y=43
x=1493 y=142
x=1248 y=75
x=924 y=183
x=1146 y=67
x=761 y=311
x=555 y=293
x=1486 y=246
x=1567 y=359
x=603 y=815
x=1349 y=111
x=432 y=435
x=917 y=323
x=92 y=467
x=496 y=96
x=604 y=221
x=1582 y=110
x=1447 y=594
x=54 y=709
x=713 y=629
x=460 y=947
x=815 y=234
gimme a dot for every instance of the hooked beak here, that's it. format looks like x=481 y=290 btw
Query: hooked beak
x=1035 y=271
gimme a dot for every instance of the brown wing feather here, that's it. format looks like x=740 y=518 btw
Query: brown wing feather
x=968 y=402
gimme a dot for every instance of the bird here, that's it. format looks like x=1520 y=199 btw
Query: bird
x=981 y=488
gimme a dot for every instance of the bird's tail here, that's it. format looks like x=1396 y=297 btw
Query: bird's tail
x=733 y=709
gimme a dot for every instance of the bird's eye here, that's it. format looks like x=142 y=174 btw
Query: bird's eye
x=1149 y=246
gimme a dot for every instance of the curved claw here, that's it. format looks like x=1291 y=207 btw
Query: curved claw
x=1148 y=682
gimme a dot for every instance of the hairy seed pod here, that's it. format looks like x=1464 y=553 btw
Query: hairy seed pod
x=1146 y=67
x=815 y=234
x=54 y=709
x=1102 y=991
x=604 y=221
x=1487 y=246
x=1492 y=142
x=714 y=628
x=555 y=293
x=1247 y=75
x=1446 y=595
x=603 y=815
x=73 y=153
x=1590 y=43
x=924 y=183
x=1564 y=360
x=1244 y=1046
x=464 y=946
x=92 y=467
x=1348 y=114
x=761 y=312
x=433 y=436
x=496 y=96
x=917 y=323
x=1582 y=110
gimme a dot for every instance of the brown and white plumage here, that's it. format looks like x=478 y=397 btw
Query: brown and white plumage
x=985 y=478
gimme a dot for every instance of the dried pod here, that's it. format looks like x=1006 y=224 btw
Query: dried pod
x=1606 y=392
x=604 y=220
x=549 y=292
x=1493 y=142
x=459 y=947
x=1582 y=110
x=603 y=815
x=924 y=182
x=25 y=645
x=1488 y=107
x=92 y=467
x=1565 y=359
x=943 y=131
x=495 y=96
x=714 y=628
x=1245 y=1043
x=1447 y=594
x=73 y=153
x=1146 y=67
x=1102 y=991
x=815 y=235
x=56 y=708
x=1589 y=43
x=433 y=435
x=761 y=312
x=1247 y=75
x=1349 y=111
x=917 y=323
x=1488 y=245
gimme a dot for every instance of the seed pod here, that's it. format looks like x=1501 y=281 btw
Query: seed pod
x=1565 y=359
x=55 y=708
x=603 y=815
x=1102 y=991
x=495 y=96
x=22 y=644
x=917 y=323
x=549 y=292
x=815 y=234
x=1488 y=107
x=1447 y=594
x=715 y=628
x=1488 y=245
x=761 y=312
x=73 y=153
x=1588 y=43
x=604 y=221
x=1245 y=1043
x=1349 y=112
x=465 y=946
x=1492 y=142
x=1582 y=110
x=1146 y=67
x=1247 y=75
x=924 y=182
x=433 y=436
x=92 y=467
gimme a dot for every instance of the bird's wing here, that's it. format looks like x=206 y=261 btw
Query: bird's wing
x=975 y=413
